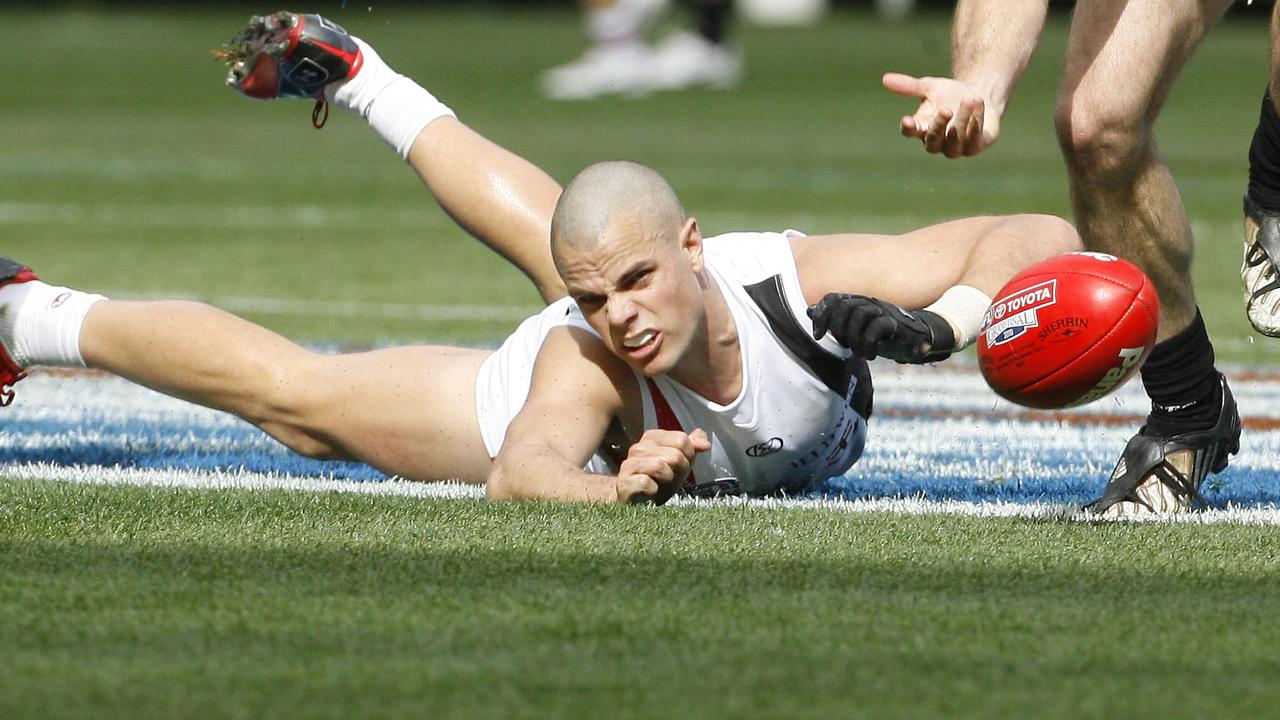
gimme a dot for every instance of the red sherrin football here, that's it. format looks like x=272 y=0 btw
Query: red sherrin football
x=1068 y=330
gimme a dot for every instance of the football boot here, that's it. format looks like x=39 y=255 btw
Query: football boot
x=10 y=273
x=1258 y=271
x=1158 y=474
x=687 y=59
x=288 y=55
x=613 y=69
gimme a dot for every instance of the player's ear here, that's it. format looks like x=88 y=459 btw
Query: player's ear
x=691 y=243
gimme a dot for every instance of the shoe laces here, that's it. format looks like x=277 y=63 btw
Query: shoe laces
x=320 y=115
x=1257 y=255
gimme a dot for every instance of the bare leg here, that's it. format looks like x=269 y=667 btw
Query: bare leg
x=1262 y=205
x=1122 y=59
x=1274 y=65
x=500 y=198
x=497 y=196
x=406 y=411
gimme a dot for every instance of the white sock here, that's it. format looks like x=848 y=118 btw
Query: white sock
x=396 y=107
x=40 y=323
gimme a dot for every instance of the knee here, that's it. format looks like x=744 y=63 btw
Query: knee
x=1053 y=233
x=1102 y=142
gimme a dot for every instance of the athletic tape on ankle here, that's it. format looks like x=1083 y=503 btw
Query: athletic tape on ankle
x=962 y=306
x=400 y=112
x=47 y=328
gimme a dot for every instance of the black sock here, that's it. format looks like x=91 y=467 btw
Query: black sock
x=1182 y=383
x=713 y=19
x=1264 y=158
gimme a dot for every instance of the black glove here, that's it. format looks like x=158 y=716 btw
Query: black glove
x=872 y=327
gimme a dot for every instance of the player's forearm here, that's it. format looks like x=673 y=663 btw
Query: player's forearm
x=539 y=473
x=991 y=43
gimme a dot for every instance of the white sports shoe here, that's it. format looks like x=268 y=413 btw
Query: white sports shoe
x=686 y=59
x=613 y=69
x=1258 y=271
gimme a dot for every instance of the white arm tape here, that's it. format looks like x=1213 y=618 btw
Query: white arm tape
x=962 y=306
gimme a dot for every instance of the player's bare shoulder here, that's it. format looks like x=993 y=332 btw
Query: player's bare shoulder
x=574 y=368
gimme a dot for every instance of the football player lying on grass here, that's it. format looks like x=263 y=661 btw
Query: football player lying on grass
x=664 y=362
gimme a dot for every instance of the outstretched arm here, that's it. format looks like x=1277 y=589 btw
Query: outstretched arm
x=860 y=284
x=578 y=391
x=991 y=44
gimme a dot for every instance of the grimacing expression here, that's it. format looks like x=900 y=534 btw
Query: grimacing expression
x=639 y=290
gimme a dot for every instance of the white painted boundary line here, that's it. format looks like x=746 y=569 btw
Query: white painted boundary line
x=234 y=480
x=1041 y=511
x=193 y=480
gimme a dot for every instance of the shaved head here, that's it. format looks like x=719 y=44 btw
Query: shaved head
x=609 y=192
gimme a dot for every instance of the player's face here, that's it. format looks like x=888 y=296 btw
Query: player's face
x=639 y=289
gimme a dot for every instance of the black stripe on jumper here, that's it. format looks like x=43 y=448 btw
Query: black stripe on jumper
x=832 y=371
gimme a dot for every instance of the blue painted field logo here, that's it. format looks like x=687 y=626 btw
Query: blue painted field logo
x=768 y=447
x=1010 y=317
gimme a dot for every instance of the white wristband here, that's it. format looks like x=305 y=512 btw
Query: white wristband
x=962 y=306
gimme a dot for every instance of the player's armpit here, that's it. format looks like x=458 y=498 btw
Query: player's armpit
x=578 y=390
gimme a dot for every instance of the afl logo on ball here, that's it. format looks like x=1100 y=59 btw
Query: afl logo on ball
x=1013 y=315
x=768 y=447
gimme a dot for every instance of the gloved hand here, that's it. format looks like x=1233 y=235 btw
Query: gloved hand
x=875 y=328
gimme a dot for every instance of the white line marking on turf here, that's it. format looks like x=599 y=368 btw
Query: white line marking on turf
x=1043 y=511
x=916 y=445
x=235 y=479
x=241 y=480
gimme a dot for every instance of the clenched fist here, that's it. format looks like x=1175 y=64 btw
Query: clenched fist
x=658 y=464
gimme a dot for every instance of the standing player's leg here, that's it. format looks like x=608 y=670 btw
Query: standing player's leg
x=497 y=196
x=1122 y=59
x=1262 y=205
x=406 y=411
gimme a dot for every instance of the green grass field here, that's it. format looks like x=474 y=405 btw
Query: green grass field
x=141 y=602
x=125 y=166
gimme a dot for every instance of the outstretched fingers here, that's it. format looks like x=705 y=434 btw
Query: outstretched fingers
x=951 y=119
